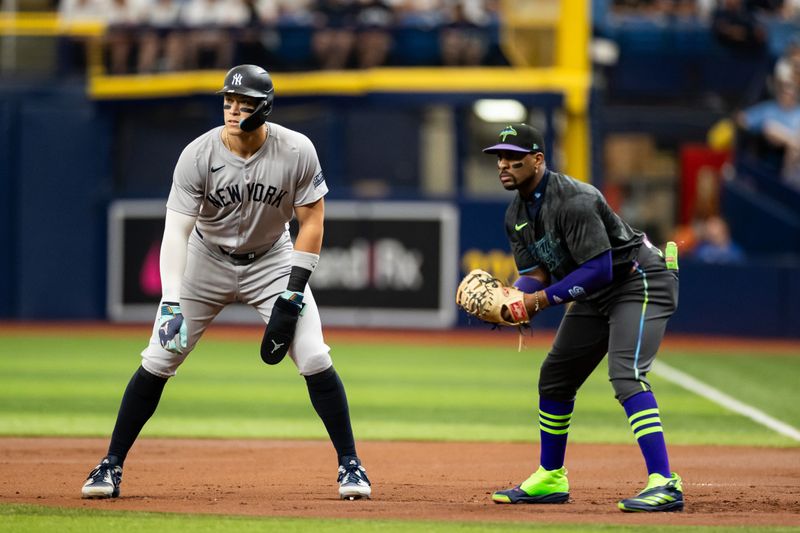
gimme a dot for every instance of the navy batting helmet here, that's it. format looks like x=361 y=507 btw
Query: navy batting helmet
x=255 y=82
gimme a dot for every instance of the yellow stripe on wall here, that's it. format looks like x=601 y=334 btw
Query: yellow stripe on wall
x=357 y=83
x=47 y=24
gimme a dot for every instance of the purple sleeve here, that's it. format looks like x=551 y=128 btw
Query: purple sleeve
x=528 y=285
x=588 y=278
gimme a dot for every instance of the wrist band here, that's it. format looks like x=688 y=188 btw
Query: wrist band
x=303 y=264
x=305 y=260
x=536 y=302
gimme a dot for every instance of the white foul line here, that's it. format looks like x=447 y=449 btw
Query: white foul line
x=698 y=387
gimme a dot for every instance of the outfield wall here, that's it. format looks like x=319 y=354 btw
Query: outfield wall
x=61 y=156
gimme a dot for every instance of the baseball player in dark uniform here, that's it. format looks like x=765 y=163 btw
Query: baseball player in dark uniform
x=569 y=246
x=226 y=239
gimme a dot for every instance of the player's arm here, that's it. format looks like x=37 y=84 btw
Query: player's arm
x=174 y=250
x=591 y=276
x=311 y=218
x=533 y=280
x=279 y=333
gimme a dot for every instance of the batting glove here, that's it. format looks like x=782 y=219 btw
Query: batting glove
x=280 y=329
x=172 y=328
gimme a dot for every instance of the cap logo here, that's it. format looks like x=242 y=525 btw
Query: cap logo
x=237 y=79
x=535 y=146
x=508 y=130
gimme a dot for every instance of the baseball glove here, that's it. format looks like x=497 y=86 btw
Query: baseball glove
x=484 y=296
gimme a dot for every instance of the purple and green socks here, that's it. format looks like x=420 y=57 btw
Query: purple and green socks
x=554 y=419
x=645 y=421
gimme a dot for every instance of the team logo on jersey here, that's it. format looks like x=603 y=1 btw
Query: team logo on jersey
x=508 y=130
x=318 y=179
x=548 y=251
x=255 y=192
x=237 y=79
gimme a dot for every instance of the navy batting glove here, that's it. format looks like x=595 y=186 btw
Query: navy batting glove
x=280 y=330
x=172 y=328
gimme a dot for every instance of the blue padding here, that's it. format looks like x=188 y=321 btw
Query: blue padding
x=768 y=184
x=758 y=223
x=8 y=183
x=64 y=186
x=742 y=300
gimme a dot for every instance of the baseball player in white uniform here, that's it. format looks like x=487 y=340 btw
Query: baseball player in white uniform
x=226 y=240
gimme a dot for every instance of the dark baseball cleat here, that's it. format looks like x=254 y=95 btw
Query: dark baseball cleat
x=353 y=481
x=660 y=495
x=544 y=486
x=103 y=481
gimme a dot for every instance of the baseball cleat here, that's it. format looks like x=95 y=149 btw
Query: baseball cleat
x=353 y=481
x=660 y=495
x=103 y=481
x=544 y=486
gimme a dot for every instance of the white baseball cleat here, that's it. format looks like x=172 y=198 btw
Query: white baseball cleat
x=103 y=481
x=353 y=481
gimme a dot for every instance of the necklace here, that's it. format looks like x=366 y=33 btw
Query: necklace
x=227 y=143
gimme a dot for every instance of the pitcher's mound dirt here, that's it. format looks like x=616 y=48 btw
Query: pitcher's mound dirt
x=731 y=486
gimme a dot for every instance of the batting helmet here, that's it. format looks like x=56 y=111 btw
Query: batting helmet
x=255 y=82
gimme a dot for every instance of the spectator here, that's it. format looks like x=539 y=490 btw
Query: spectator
x=775 y=127
x=463 y=42
x=295 y=11
x=209 y=24
x=375 y=20
x=77 y=11
x=75 y=48
x=736 y=27
x=768 y=7
x=715 y=244
x=788 y=65
x=123 y=19
x=259 y=39
x=161 y=46
x=334 y=37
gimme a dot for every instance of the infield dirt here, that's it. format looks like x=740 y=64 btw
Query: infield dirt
x=723 y=486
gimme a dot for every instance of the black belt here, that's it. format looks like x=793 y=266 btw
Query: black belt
x=241 y=259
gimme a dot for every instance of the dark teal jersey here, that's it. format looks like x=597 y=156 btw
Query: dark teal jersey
x=573 y=224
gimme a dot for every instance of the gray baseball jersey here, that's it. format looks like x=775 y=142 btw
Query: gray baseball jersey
x=243 y=208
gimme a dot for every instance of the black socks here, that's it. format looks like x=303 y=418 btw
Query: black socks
x=330 y=401
x=138 y=404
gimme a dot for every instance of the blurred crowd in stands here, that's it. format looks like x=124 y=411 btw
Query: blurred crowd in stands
x=756 y=45
x=696 y=9
x=168 y=35
x=749 y=47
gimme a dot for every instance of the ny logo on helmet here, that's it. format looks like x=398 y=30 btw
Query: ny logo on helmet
x=237 y=79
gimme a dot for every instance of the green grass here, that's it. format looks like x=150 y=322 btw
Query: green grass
x=765 y=381
x=72 y=386
x=32 y=519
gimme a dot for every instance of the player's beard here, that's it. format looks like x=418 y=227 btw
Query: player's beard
x=511 y=182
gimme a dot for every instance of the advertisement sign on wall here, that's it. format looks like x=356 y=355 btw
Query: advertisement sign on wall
x=383 y=264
